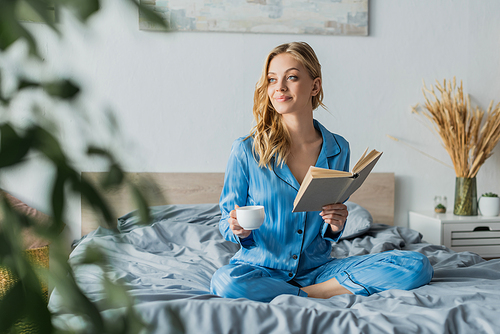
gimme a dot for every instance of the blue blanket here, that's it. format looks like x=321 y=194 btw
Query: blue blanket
x=167 y=266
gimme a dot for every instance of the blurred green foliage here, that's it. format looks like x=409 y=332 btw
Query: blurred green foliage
x=26 y=12
x=24 y=300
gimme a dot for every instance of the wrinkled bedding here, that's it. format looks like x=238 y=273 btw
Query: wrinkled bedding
x=167 y=267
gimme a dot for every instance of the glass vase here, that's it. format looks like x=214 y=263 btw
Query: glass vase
x=465 y=197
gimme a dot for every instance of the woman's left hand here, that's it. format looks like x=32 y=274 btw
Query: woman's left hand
x=335 y=215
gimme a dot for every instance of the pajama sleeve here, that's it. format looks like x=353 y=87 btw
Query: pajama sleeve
x=235 y=191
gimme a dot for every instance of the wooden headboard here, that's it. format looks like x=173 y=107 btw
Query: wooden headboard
x=376 y=195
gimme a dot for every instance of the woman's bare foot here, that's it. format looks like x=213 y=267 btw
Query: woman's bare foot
x=326 y=289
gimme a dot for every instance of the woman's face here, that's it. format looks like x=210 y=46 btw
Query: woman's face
x=290 y=87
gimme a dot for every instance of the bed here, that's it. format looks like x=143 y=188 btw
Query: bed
x=167 y=266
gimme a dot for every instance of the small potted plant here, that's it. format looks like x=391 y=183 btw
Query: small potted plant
x=440 y=208
x=489 y=204
x=440 y=204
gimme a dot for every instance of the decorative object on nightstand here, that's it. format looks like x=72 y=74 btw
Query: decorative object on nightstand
x=465 y=196
x=440 y=204
x=489 y=204
x=467 y=136
x=478 y=234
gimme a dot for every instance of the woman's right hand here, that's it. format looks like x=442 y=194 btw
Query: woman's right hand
x=235 y=227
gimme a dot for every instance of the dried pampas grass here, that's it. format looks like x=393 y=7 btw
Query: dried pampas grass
x=468 y=135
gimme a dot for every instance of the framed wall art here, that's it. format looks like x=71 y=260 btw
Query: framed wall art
x=320 y=17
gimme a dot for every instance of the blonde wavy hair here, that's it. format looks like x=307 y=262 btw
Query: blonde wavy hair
x=271 y=137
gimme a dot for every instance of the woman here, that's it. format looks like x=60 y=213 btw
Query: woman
x=290 y=252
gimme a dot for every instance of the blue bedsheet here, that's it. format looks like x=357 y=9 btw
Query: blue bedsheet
x=167 y=267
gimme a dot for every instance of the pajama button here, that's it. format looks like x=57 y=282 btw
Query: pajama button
x=290 y=274
x=299 y=231
x=295 y=257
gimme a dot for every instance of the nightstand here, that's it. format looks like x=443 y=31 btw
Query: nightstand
x=477 y=234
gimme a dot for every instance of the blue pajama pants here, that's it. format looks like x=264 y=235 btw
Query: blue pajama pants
x=362 y=275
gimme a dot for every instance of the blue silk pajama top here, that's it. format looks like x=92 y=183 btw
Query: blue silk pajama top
x=288 y=242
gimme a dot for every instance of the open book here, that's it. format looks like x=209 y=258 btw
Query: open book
x=326 y=186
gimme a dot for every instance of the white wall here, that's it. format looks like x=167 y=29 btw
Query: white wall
x=182 y=98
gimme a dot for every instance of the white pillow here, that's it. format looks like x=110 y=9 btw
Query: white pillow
x=358 y=221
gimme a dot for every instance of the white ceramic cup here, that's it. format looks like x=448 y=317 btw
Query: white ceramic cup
x=250 y=217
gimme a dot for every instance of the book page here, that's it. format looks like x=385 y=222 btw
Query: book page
x=317 y=172
x=366 y=161
x=363 y=174
x=359 y=161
